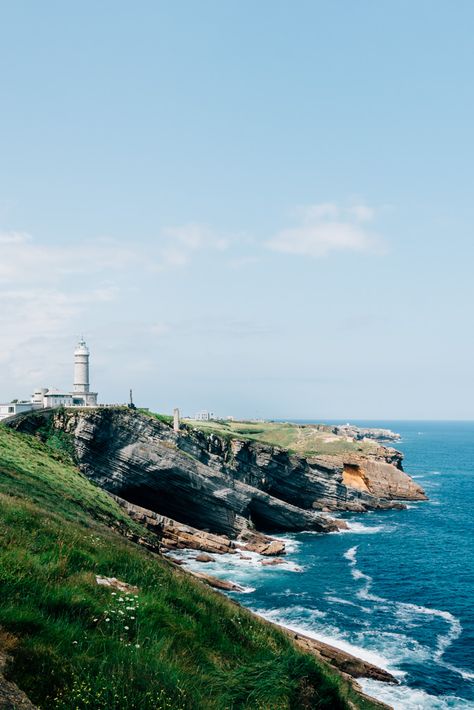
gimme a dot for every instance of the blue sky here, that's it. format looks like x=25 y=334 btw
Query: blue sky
x=259 y=208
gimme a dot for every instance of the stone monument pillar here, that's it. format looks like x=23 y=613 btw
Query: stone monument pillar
x=176 y=419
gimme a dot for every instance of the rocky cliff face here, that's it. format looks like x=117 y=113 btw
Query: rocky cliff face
x=223 y=485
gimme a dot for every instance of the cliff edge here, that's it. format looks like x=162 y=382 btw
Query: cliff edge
x=220 y=483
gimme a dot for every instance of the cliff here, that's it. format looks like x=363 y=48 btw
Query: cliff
x=220 y=483
x=88 y=618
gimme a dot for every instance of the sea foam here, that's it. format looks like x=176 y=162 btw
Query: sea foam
x=402 y=697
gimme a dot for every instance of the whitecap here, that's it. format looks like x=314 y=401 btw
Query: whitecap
x=354 y=527
x=246 y=590
x=402 y=697
x=281 y=618
x=402 y=609
x=351 y=554
x=338 y=600
x=443 y=641
x=466 y=675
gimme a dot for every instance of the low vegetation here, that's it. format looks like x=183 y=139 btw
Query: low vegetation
x=303 y=439
x=171 y=643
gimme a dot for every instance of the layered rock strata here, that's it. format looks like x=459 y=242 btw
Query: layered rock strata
x=177 y=536
x=223 y=485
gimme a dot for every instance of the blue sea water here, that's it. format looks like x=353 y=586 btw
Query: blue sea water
x=397 y=588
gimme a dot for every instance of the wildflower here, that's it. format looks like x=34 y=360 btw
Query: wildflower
x=114 y=594
x=96 y=619
x=126 y=628
x=137 y=645
x=107 y=619
x=121 y=599
x=132 y=617
x=74 y=642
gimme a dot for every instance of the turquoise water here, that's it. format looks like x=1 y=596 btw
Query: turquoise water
x=397 y=588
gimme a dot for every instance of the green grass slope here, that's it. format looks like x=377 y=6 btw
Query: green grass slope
x=173 y=644
x=302 y=439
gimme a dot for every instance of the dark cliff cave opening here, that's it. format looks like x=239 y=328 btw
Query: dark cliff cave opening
x=182 y=507
x=267 y=519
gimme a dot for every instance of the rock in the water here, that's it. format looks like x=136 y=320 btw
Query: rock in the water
x=273 y=561
x=203 y=558
x=218 y=583
x=275 y=547
x=346 y=662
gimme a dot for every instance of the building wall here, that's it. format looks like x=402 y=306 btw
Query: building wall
x=10 y=408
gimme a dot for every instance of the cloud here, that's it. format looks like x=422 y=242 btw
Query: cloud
x=14 y=237
x=362 y=213
x=326 y=228
x=188 y=239
x=23 y=260
x=45 y=291
x=48 y=291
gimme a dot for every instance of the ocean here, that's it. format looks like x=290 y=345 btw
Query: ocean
x=395 y=589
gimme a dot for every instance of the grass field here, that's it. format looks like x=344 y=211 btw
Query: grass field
x=173 y=644
x=306 y=440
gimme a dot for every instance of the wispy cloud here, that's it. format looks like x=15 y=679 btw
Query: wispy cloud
x=186 y=240
x=325 y=228
x=47 y=290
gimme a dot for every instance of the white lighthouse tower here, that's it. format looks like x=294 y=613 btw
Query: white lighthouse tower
x=82 y=396
x=81 y=367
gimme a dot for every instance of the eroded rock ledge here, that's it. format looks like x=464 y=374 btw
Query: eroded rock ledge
x=176 y=536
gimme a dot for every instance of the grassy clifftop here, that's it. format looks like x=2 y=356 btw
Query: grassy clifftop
x=171 y=643
x=302 y=439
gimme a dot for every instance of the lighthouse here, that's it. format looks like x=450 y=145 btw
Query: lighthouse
x=82 y=396
x=81 y=367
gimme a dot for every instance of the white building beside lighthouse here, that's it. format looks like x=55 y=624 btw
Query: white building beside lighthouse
x=42 y=397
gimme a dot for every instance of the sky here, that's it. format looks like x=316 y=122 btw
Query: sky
x=263 y=209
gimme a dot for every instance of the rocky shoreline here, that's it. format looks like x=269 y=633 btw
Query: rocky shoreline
x=178 y=538
x=348 y=665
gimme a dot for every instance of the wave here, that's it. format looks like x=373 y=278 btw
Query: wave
x=361 y=529
x=351 y=554
x=407 y=611
x=337 y=600
x=357 y=574
x=465 y=675
x=282 y=617
x=443 y=641
x=402 y=697
x=288 y=593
